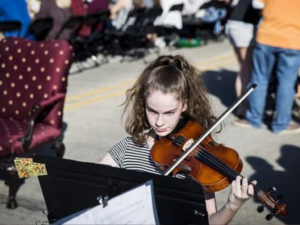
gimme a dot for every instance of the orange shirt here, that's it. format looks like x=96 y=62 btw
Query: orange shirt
x=280 y=26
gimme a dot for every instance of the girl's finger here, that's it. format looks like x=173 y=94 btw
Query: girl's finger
x=244 y=186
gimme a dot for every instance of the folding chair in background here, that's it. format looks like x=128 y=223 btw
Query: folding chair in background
x=39 y=28
x=10 y=26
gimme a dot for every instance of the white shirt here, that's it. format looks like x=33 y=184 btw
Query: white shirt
x=170 y=19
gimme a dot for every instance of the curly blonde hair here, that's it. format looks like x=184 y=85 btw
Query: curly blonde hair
x=168 y=74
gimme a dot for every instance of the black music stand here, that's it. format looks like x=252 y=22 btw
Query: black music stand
x=72 y=186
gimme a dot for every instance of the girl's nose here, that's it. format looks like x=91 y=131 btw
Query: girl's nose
x=159 y=121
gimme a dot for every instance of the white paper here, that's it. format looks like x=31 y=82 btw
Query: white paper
x=133 y=207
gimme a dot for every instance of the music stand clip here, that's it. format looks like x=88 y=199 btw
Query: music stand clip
x=102 y=200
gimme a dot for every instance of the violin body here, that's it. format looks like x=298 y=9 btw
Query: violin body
x=200 y=167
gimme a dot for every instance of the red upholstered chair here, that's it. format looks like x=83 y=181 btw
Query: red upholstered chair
x=33 y=82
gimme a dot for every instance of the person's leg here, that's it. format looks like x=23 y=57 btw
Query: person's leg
x=263 y=61
x=241 y=36
x=247 y=68
x=240 y=55
x=287 y=72
x=243 y=77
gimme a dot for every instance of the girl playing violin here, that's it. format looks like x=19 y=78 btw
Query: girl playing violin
x=168 y=90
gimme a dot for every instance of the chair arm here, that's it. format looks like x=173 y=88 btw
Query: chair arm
x=34 y=112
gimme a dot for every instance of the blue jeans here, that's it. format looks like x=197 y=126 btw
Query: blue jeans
x=288 y=62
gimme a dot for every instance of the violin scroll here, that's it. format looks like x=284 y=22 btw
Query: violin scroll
x=277 y=207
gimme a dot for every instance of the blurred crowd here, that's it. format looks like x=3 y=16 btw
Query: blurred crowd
x=60 y=11
x=264 y=35
x=27 y=11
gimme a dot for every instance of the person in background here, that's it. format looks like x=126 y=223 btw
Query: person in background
x=151 y=3
x=240 y=30
x=191 y=7
x=80 y=8
x=15 y=10
x=119 y=13
x=94 y=7
x=168 y=92
x=60 y=11
x=277 y=40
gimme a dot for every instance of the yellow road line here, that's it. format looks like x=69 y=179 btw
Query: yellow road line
x=217 y=66
x=97 y=91
x=125 y=83
x=69 y=106
x=211 y=60
x=90 y=101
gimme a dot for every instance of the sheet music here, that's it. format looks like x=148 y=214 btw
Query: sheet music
x=136 y=206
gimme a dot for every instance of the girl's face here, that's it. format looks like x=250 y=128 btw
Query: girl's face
x=163 y=112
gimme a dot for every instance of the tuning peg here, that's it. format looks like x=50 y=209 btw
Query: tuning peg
x=272 y=190
x=261 y=208
x=280 y=198
x=269 y=217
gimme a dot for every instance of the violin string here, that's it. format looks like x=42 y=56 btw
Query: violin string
x=201 y=151
x=215 y=161
x=228 y=170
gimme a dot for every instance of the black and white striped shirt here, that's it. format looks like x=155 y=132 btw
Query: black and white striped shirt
x=129 y=155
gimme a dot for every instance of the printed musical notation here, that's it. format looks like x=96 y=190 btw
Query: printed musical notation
x=136 y=206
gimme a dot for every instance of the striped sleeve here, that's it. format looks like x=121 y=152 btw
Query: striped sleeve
x=117 y=152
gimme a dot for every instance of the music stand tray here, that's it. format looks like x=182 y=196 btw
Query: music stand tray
x=72 y=186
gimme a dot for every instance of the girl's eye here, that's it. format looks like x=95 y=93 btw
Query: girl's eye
x=170 y=113
x=152 y=112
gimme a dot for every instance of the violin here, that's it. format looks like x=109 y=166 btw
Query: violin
x=211 y=164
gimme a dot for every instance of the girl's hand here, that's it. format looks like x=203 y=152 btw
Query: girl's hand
x=240 y=192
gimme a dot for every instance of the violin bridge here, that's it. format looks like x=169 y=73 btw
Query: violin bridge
x=187 y=144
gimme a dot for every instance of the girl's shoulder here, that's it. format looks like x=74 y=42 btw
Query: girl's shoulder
x=126 y=141
x=130 y=143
